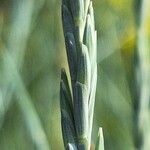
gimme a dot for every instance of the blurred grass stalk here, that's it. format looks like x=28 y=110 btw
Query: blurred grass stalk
x=144 y=68
x=20 y=29
x=16 y=43
x=77 y=102
x=11 y=81
x=25 y=102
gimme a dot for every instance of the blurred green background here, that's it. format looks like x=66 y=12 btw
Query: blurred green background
x=32 y=52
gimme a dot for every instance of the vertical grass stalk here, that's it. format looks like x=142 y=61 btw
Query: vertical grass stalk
x=77 y=101
x=144 y=67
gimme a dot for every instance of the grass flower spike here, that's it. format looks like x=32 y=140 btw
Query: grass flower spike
x=77 y=101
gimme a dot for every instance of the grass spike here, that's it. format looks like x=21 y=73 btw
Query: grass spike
x=81 y=43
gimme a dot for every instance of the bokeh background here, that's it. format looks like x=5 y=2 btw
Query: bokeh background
x=32 y=52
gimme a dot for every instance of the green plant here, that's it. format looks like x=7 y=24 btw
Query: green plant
x=11 y=81
x=144 y=74
x=77 y=101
